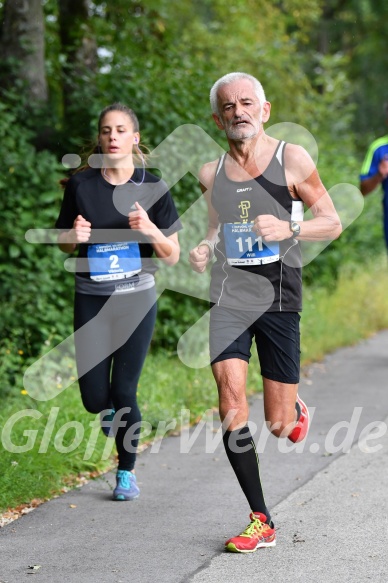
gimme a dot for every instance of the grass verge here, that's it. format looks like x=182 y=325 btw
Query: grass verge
x=48 y=445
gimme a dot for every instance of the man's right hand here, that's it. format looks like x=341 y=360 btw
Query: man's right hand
x=199 y=258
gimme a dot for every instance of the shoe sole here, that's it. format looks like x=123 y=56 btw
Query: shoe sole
x=122 y=498
x=308 y=419
x=308 y=424
x=233 y=549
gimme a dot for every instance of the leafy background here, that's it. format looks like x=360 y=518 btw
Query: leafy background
x=161 y=58
x=323 y=65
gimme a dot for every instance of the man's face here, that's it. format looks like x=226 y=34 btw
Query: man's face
x=241 y=115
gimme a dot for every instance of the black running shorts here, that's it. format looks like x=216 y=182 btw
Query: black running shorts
x=276 y=335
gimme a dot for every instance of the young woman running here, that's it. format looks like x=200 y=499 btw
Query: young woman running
x=117 y=216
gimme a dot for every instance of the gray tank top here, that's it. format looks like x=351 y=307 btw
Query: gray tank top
x=249 y=273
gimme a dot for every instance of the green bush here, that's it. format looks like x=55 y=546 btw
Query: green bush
x=35 y=292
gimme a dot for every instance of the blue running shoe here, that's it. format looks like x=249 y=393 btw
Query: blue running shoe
x=126 y=488
x=106 y=420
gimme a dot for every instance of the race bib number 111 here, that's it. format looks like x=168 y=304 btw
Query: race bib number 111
x=244 y=247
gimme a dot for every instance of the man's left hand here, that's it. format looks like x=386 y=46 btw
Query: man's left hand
x=271 y=228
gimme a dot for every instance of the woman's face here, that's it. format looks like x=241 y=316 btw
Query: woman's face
x=116 y=136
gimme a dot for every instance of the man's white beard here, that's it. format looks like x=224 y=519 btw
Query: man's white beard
x=234 y=133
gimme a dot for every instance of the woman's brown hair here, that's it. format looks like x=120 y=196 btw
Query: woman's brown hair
x=140 y=157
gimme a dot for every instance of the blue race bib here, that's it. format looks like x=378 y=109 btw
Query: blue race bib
x=244 y=247
x=110 y=261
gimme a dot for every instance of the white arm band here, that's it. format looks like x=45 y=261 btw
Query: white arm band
x=208 y=244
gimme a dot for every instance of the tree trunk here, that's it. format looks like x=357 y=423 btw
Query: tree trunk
x=77 y=42
x=22 y=45
x=78 y=46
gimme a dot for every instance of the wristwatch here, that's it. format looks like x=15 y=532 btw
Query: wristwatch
x=295 y=228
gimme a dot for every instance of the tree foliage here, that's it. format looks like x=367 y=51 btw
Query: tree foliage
x=35 y=306
x=322 y=64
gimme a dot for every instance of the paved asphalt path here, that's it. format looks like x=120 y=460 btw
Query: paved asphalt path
x=328 y=497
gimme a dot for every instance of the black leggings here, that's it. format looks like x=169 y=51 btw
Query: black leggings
x=112 y=337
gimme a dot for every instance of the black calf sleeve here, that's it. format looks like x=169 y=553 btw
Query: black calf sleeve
x=241 y=451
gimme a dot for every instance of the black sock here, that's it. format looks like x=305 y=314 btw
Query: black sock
x=242 y=454
x=298 y=411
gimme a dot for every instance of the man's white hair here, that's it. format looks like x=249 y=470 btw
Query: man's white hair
x=230 y=78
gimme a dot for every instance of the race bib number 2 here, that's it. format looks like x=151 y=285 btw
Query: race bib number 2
x=244 y=247
x=111 y=261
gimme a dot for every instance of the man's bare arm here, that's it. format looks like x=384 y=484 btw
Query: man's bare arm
x=200 y=256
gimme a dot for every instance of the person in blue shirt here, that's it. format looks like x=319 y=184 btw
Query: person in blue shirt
x=374 y=172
